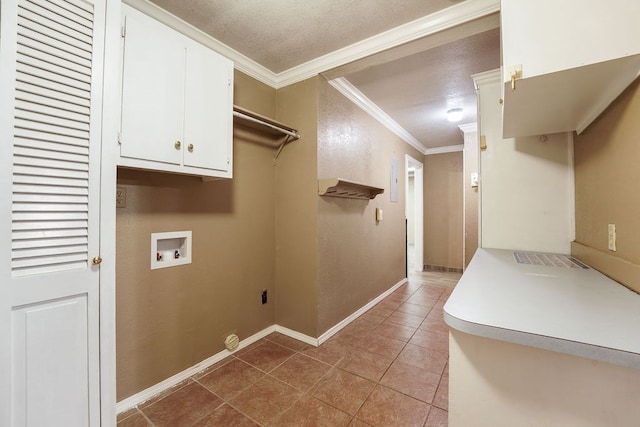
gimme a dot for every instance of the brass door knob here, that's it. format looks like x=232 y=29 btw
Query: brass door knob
x=96 y=260
x=190 y=148
x=178 y=144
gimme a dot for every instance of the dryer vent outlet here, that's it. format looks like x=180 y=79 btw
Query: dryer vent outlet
x=232 y=342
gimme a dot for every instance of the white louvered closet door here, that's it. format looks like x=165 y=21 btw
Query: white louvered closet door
x=50 y=90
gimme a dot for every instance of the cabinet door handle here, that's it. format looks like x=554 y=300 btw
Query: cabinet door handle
x=190 y=148
x=178 y=144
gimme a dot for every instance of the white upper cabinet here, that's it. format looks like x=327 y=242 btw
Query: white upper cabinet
x=208 y=109
x=570 y=60
x=177 y=101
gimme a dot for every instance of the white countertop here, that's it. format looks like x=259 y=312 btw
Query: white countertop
x=574 y=311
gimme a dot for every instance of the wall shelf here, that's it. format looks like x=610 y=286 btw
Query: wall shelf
x=280 y=133
x=339 y=187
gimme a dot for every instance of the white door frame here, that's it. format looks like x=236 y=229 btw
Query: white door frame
x=418 y=206
x=110 y=150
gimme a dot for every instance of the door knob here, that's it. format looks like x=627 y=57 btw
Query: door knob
x=96 y=260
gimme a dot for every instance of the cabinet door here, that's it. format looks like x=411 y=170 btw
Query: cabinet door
x=152 y=90
x=546 y=36
x=50 y=116
x=208 y=109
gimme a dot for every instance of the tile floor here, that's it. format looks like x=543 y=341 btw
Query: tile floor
x=387 y=368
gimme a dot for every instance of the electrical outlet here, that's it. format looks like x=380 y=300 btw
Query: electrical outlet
x=121 y=197
x=264 y=296
x=611 y=229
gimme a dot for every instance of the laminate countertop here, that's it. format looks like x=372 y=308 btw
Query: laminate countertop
x=576 y=311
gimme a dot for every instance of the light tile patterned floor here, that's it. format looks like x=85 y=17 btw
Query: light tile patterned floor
x=387 y=368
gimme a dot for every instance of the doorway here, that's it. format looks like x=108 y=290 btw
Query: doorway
x=414 y=207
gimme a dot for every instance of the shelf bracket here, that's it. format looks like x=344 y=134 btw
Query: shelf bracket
x=340 y=187
x=287 y=139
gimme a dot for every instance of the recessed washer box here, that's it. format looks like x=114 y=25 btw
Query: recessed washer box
x=170 y=249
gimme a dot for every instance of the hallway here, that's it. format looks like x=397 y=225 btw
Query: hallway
x=387 y=368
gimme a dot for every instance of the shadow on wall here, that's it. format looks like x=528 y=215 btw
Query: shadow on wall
x=160 y=193
x=545 y=147
x=339 y=206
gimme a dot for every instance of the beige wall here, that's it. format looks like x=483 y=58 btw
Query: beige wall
x=471 y=207
x=321 y=259
x=607 y=179
x=296 y=212
x=358 y=258
x=169 y=319
x=443 y=210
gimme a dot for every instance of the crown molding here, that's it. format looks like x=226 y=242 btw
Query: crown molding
x=443 y=150
x=421 y=27
x=450 y=17
x=468 y=127
x=345 y=87
x=487 y=77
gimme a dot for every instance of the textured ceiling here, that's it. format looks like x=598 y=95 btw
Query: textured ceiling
x=416 y=91
x=280 y=34
x=413 y=89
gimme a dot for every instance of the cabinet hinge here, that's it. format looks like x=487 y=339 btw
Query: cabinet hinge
x=229 y=82
x=123 y=31
x=119 y=138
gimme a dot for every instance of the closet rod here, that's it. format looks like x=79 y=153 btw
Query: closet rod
x=282 y=130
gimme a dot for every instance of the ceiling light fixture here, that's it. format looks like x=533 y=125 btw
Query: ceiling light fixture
x=454 y=115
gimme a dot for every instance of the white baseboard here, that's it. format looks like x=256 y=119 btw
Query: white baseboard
x=150 y=392
x=297 y=335
x=334 y=330
x=176 y=379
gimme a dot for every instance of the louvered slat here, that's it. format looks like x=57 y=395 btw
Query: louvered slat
x=50 y=193
x=29 y=134
x=50 y=93
x=48 y=190
x=26 y=170
x=50 y=62
x=73 y=234
x=71 y=123
x=40 y=261
x=46 y=110
x=56 y=155
x=26 y=68
x=50 y=166
x=40 y=199
x=70 y=53
x=63 y=8
x=59 y=27
x=42 y=243
x=35 y=29
x=49 y=216
x=51 y=225
x=51 y=146
x=32 y=253
x=65 y=182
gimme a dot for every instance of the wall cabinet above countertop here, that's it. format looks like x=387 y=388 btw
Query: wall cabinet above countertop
x=569 y=60
x=177 y=101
